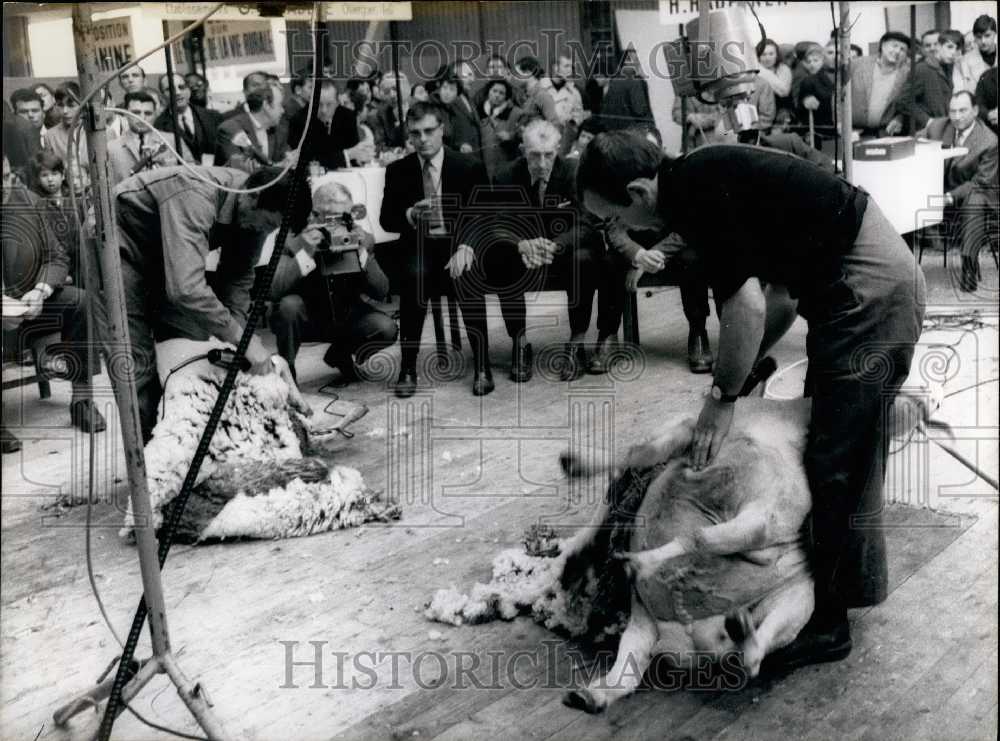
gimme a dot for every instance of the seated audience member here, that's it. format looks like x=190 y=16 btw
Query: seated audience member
x=304 y=303
x=139 y=148
x=970 y=181
x=425 y=196
x=986 y=98
x=57 y=139
x=334 y=140
x=388 y=130
x=983 y=53
x=933 y=81
x=619 y=97
x=817 y=90
x=538 y=101
x=47 y=180
x=463 y=123
x=498 y=125
x=497 y=69
x=253 y=82
x=35 y=269
x=199 y=127
x=928 y=44
x=28 y=105
x=198 y=86
x=539 y=188
x=809 y=60
x=249 y=140
x=566 y=96
x=131 y=80
x=419 y=93
x=301 y=88
x=877 y=85
x=775 y=73
x=588 y=130
x=48 y=97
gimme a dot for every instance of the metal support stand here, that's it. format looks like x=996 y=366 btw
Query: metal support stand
x=843 y=88
x=125 y=395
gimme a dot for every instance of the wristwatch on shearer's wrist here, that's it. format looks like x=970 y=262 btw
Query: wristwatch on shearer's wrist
x=724 y=398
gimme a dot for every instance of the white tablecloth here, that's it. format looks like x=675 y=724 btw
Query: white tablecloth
x=909 y=191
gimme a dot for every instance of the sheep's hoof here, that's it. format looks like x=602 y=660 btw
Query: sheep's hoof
x=739 y=625
x=582 y=700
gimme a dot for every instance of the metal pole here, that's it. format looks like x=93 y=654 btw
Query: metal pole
x=684 y=100
x=844 y=90
x=168 y=54
x=123 y=379
x=913 y=59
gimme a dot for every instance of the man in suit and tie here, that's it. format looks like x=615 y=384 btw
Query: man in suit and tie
x=970 y=181
x=198 y=126
x=426 y=195
x=250 y=140
x=334 y=139
x=139 y=148
x=540 y=187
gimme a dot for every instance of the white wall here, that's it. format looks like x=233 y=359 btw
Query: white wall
x=964 y=14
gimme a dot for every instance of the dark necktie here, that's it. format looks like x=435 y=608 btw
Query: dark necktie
x=540 y=185
x=436 y=220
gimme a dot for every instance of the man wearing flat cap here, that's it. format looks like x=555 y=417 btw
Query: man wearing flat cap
x=877 y=84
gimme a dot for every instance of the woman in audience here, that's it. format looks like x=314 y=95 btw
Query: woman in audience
x=462 y=134
x=498 y=118
x=775 y=73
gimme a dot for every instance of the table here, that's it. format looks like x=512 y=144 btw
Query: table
x=910 y=190
x=367 y=185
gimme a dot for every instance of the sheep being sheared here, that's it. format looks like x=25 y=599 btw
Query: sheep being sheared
x=259 y=479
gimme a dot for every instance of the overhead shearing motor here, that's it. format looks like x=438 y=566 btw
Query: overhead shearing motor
x=716 y=61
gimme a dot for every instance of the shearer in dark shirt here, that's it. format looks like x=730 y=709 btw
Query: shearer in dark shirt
x=171 y=221
x=760 y=219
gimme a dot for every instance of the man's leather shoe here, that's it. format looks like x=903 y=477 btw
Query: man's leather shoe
x=574 y=361
x=521 y=367
x=86 y=417
x=483 y=384
x=601 y=358
x=699 y=352
x=406 y=386
x=815 y=644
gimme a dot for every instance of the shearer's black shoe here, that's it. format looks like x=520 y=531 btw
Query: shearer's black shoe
x=815 y=644
x=574 y=362
x=699 y=351
x=86 y=417
x=406 y=386
x=521 y=367
x=483 y=384
x=601 y=358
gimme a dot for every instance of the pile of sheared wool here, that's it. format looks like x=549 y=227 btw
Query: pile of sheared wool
x=524 y=583
x=255 y=481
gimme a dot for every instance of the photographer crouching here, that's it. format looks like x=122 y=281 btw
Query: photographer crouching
x=328 y=286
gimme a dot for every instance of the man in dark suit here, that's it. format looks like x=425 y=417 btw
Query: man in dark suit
x=199 y=127
x=540 y=186
x=426 y=194
x=970 y=181
x=250 y=139
x=334 y=139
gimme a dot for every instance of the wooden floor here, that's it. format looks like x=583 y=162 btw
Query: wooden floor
x=471 y=475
